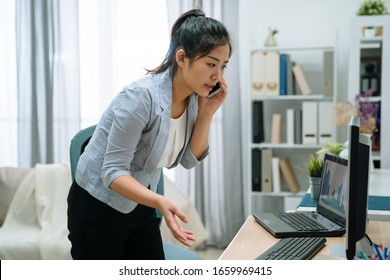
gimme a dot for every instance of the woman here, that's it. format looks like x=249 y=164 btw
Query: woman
x=158 y=121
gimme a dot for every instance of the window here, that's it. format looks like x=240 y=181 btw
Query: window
x=118 y=41
x=8 y=93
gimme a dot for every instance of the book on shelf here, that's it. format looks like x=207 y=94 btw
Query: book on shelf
x=288 y=174
x=327 y=83
x=258 y=73
x=290 y=126
x=284 y=61
x=309 y=122
x=287 y=79
x=276 y=128
x=265 y=72
x=291 y=83
x=272 y=72
x=301 y=80
x=276 y=184
x=298 y=126
x=256 y=170
x=325 y=110
x=257 y=122
x=266 y=170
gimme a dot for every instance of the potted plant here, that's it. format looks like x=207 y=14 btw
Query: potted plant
x=315 y=165
x=332 y=148
x=270 y=41
x=362 y=107
x=372 y=8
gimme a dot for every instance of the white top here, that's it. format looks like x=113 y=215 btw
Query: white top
x=176 y=137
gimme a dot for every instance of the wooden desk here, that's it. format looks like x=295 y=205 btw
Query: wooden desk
x=252 y=240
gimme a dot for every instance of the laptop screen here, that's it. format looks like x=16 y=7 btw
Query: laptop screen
x=333 y=194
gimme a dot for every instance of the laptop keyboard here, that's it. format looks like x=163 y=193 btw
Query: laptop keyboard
x=294 y=248
x=300 y=222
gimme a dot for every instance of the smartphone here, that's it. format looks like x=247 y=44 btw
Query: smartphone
x=215 y=90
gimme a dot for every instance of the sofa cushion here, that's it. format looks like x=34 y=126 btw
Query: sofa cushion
x=20 y=242
x=10 y=179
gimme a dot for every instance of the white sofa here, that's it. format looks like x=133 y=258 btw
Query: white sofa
x=33 y=212
x=34 y=225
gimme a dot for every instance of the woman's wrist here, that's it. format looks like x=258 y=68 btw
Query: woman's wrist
x=204 y=119
x=160 y=202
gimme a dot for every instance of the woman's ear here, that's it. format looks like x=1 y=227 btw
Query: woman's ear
x=180 y=57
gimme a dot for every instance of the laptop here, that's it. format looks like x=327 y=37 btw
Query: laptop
x=329 y=217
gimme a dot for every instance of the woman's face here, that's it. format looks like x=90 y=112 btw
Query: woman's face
x=203 y=73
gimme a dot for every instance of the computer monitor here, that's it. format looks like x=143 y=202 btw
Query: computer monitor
x=359 y=149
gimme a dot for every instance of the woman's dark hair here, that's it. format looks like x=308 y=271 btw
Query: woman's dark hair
x=197 y=35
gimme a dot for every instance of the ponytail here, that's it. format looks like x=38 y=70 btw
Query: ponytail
x=197 y=35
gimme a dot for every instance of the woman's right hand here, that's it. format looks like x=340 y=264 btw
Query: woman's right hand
x=173 y=217
x=129 y=187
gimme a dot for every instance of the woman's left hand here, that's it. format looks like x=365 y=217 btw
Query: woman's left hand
x=210 y=106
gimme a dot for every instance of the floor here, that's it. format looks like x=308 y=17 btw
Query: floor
x=210 y=253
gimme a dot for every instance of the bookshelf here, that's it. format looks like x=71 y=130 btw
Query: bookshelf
x=315 y=62
x=373 y=49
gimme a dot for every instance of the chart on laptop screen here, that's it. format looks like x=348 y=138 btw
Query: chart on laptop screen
x=334 y=189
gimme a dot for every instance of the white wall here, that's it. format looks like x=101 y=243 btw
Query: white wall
x=300 y=23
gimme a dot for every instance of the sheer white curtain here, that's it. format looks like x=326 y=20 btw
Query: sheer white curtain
x=118 y=41
x=8 y=97
x=47 y=79
x=36 y=70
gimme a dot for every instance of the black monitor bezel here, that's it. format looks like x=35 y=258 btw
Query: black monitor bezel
x=358 y=170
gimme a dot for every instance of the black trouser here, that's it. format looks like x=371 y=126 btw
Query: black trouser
x=98 y=231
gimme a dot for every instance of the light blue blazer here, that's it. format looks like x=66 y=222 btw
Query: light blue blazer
x=130 y=139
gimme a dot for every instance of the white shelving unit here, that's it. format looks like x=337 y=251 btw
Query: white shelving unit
x=297 y=153
x=377 y=48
